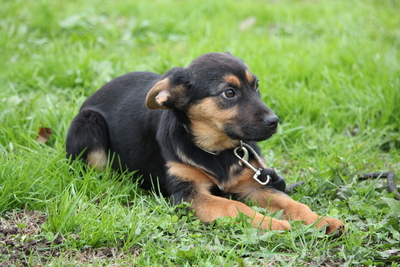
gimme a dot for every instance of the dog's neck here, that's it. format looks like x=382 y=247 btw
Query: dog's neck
x=214 y=148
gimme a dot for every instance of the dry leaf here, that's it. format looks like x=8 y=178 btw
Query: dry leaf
x=44 y=135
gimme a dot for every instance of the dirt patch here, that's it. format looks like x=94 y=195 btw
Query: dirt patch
x=22 y=243
x=102 y=256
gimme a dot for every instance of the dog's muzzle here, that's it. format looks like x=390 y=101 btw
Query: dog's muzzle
x=271 y=121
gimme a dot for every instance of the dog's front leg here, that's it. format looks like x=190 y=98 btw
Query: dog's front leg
x=275 y=200
x=187 y=183
x=208 y=207
x=246 y=188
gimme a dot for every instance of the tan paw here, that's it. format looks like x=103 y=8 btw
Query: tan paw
x=334 y=227
x=274 y=224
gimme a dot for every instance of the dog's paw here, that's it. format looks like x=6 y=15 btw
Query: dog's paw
x=334 y=227
x=280 y=225
x=275 y=225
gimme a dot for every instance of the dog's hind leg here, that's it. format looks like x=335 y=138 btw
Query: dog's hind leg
x=88 y=139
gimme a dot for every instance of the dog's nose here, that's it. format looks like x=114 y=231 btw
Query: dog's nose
x=271 y=121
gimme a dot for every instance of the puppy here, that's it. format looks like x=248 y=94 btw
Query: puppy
x=192 y=134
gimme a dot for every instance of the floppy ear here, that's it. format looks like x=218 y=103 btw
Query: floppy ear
x=159 y=94
x=169 y=92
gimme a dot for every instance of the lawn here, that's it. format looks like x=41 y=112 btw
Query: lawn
x=329 y=69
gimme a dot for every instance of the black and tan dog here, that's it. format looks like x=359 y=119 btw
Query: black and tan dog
x=187 y=131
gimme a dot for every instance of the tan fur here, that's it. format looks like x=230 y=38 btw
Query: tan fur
x=208 y=125
x=249 y=77
x=158 y=94
x=232 y=79
x=243 y=179
x=273 y=200
x=97 y=159
x=163 y=91
x=208 y=207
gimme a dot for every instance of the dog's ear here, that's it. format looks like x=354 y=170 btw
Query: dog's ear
x=159 y=94
x=168 y=92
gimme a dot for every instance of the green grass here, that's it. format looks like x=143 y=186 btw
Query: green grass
x=329 y=69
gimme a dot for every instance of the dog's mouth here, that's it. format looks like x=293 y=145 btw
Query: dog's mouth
x=251 y=134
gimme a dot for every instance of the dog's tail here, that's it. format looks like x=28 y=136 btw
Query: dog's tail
x=88 y=139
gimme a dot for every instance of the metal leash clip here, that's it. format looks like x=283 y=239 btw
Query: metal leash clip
x=244 y=160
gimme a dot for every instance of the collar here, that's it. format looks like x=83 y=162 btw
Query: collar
x=215 y=153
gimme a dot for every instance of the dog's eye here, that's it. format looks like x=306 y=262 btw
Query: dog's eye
x=229 y=93
x=256 y=85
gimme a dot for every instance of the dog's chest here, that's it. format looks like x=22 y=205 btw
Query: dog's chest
x=225 y=169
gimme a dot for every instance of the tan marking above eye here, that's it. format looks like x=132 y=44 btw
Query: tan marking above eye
x=249 y=77
x=232 y=79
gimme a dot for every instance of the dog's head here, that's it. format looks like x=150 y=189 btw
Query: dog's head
x=221 y=99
